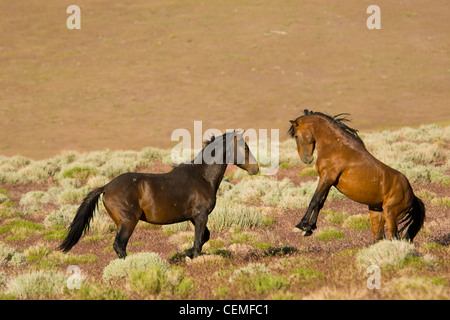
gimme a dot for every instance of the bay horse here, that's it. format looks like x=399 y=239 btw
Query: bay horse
x=344 y=162
x=188 y=192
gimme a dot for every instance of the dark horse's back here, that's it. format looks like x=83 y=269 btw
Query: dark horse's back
x=156 y=198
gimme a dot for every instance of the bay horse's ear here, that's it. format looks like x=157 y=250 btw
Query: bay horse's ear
x=294 y=123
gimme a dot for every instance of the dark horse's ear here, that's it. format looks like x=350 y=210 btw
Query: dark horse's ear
x=293 y=122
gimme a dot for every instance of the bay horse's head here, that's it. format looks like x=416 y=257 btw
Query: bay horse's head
x=302 y=134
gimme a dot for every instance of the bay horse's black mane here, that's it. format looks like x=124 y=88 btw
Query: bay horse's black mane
x=338 y=120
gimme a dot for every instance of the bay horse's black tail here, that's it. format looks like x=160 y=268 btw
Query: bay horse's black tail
x=80 y=223
x=414 y=219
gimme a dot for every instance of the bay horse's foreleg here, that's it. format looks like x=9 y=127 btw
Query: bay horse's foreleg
x=309 y=220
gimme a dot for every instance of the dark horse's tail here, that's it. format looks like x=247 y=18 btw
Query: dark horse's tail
x=414 y=219
x=82 y=219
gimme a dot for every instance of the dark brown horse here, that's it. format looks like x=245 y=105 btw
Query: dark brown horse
x=188 y=192
x=344 y=162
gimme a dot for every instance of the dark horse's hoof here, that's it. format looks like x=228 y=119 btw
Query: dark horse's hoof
x=122 y=255
x=189 y=253
x=307 y=233
x=302 y=225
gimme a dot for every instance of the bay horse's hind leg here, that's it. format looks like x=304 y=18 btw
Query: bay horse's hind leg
x=390 y=217
x=377 y=220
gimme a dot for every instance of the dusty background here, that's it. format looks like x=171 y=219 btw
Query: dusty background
x=139 y=69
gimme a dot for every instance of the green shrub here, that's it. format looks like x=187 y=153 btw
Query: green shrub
x=329 y=234
x=417 y=288
x=227 y=214
x=19 y=229
x=156 y=280
x=252 y=269
x=3 y=281
x=358 y=222
x=81 y=174
x=40 y=284
x=9 y=257
x=175 y=227
x=96 y=291
x=221 y=252
x=441 y=201
x=307 y=275
x=385 y=253
x=61 y=217
x=334 y=217
x=151 y=280
x=73 y=195
x=120 y=268
x=36 y=253
x=256 y=277
x=31 y=202
x=308 y=172
x=7 y=210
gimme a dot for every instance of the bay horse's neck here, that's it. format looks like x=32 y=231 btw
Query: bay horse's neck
x=327 y=136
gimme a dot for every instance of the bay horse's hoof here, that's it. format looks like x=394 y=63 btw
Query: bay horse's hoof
x=307 y=233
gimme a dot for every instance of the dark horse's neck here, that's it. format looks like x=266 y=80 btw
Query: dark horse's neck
x=212 y=173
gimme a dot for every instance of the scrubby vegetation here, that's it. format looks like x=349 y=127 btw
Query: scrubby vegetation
x=252 y=253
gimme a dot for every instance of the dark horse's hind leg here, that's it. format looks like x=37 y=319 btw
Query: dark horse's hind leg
x=126 y=222
x=122 y=236
x=201 y=235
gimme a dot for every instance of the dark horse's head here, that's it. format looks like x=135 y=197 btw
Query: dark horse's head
x=230 y=148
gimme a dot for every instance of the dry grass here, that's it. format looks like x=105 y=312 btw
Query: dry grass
x=251 y=253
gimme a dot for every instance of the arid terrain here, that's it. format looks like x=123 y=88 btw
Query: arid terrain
x=137 y=70
x=79 y=107
x=254 y=251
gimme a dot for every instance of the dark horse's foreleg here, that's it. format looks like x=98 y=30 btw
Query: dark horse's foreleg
x=201 y=235
x=309 y=220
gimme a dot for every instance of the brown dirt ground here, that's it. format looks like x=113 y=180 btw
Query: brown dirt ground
x=139 y=69
x=328 y=256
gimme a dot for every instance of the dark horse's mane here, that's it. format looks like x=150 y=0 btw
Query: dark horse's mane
x=338 y=120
